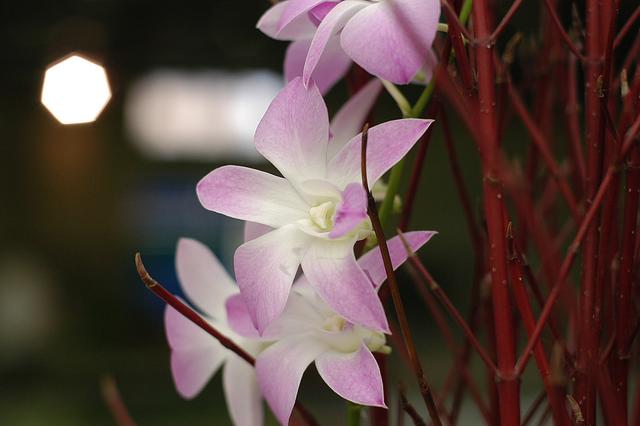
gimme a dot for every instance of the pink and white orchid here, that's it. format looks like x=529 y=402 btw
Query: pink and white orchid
x=318 y=210
x=390 y=39
x=308 y=330
x=195 y=355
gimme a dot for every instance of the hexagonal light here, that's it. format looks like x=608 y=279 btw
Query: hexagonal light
x=75 y=90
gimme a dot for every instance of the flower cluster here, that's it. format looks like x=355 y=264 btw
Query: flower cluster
x=308 y=219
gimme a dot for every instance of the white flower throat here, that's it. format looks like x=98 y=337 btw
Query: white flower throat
x=349 y=336
x=322 y=215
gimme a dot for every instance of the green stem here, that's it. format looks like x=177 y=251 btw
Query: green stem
x=465 y=12
x=353 y=414
x=392 y=189
x=395 y=176
x=423 y=100
x=396 y=94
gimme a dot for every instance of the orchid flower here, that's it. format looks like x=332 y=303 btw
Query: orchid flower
x=390 y=39
x=318 y=210
x=195 y=355
x=331 y=341
x=309 y=330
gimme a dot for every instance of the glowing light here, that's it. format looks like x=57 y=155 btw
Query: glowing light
x=199 y=116
x=75 y=90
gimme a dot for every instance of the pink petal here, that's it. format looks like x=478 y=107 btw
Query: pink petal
x=238 y=317
x=295 y=10
x=351 y=211
x=204 y=280
x=429 y=66
x=371 y=262
x=329 y=27
x=300 y=315
x=279 y=370
x=399 y=45
x=354 y=376
x=294 y=132
x=318 y=13
x=301 y=28
x=265 y=269
x=251 y=195
x=195 y=355
x=254 y=230
x=349 y=120
x=242 y=393
x=388 y=143
x=331 y=268
x=333 y=64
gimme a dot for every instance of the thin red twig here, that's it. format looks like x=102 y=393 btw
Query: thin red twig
x=626 y=27
x=425 y=388
x=505 y=20
x=117 y=407
x=554 y=17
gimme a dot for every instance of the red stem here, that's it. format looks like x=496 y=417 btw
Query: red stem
x=626 y=27
x=575 y=245
x=554 y=392
x=573 y=125
x=624 y=312
x=116 y=405
x=453 y=348
x=508 y=383
x=446 y=302
x=539 y=140
x=463 y=193
x=505 y=20
x=554 y=17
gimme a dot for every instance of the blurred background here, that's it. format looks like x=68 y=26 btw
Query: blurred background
x=189 y=82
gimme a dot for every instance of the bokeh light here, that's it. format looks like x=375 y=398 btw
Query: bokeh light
x=75 y=90
x=199 y=116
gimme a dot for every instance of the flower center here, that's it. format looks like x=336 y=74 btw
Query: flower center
x=322 y=215
x=349 y=337
x=334 y=323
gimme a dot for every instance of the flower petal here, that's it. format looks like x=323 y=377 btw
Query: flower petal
x=354 y=376
x=429 y=66
x=387 y=144
x=349 y=120
x=251 y=195
x=371 y=262
x=351 y=211
x=301 y=28
x=238 y=317
x=399 y=45
x=280 y=368
x=294 y=132
x=331 y=268
x=265 y=269
x=333 y=64
x=304 y=311
x=195 y=355
x=294 y=10
x=254 y=230
x=328 y=28
x=204 y=280
x=242 y=393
